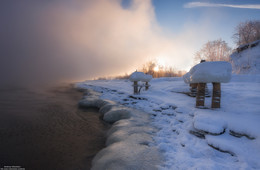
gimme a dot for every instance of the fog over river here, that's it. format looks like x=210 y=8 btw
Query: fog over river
x=45 y=129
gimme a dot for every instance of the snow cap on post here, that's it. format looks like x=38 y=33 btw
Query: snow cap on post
x=147 y=78
x=140 y=76
x=208 y=72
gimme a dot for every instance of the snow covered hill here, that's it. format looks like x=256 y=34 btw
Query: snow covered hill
x=185 y=136
x=246 y=59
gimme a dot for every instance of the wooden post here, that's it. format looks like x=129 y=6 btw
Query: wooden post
x=216 y=95
x=135 y=87
x=146 y=85
x=193 y=89
x=200 y=94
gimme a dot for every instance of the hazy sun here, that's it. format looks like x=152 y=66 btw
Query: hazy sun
x=156 y=68
x=160 y=64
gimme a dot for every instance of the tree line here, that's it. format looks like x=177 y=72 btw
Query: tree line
x=218 y=50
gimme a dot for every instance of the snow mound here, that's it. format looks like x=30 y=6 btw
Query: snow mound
x=209 y=124
x=129 y=142
x=124 y=129
x=129 y=145
x=91 y=99
x=117 y=113
x=140 y=76
x=208 y=72
x=246 y=151
x=126 y=155
x=246 y=61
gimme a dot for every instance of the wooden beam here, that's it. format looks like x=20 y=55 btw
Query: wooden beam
x=146 y=85
x=216 y=95
x=135 y=87
x=200 y=98
x=193 y=89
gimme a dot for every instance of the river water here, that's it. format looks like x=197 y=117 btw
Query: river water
x=44 y=129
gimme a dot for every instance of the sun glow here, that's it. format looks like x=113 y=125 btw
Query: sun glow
x=160 y=64
x=156 y=68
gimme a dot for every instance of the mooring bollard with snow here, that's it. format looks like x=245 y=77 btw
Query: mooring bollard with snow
x=215 y=72
x=140 y=76
x=193 y=89
x=216 y=95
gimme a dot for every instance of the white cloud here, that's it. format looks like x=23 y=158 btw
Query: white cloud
x=205 y=4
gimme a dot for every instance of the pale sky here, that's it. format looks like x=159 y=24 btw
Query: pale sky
x=44 y=41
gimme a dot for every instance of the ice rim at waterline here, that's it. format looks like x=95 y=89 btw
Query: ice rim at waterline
x=129 y=143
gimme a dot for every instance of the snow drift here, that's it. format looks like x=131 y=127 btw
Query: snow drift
x=208 y=72
x=246 y=59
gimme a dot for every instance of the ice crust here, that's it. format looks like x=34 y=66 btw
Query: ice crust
x=208 y=72
x=129 y=141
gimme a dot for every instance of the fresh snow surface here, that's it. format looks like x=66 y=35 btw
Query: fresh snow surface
x=247 y=61
x=208 y=72
x=233 y=129
x=140 y=76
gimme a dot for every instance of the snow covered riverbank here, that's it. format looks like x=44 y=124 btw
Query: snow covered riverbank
x=187 y=137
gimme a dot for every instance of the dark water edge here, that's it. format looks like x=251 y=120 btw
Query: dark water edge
x=45 y=129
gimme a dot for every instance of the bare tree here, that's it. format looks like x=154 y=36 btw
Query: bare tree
x=247 y=32
x=216 y=50
x=161 y=71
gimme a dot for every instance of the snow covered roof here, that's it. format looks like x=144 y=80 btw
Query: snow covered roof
x=140 y=76
x=208 y=72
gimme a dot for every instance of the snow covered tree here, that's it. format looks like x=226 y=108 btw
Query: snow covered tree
x=216 y=50
x=247 y=32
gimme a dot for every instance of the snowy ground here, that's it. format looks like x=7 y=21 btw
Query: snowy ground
x=186 y=136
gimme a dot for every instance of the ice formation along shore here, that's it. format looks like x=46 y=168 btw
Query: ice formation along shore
x=129 y=143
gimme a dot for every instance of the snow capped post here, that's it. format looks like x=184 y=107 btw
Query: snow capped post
x=215 y=72
x=135 y=85
x=193 y=89
x=140 y=76
x=216 y=95
x=200 y=98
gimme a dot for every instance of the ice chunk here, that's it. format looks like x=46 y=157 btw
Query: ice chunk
x=106 y=108
x=208 y=72
x=120 y=135
x=117 y=113
x=127 y=155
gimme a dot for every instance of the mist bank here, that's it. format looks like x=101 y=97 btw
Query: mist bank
x=50 y=41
